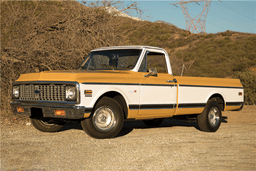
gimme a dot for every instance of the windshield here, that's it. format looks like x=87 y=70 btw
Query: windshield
x=124 y=59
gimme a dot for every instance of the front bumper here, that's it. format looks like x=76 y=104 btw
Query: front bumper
x=48 y=110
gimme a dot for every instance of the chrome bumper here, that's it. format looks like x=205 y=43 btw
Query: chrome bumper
x=48 y=110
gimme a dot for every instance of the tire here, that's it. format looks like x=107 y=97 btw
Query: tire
x=153 y=122
x=47 y=124
x=106 y=120
x=210 y=119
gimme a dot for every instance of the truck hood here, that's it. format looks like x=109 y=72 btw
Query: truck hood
x=81 y=76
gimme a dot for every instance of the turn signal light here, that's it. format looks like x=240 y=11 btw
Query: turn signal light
x=20 y=109
x=60 y=112
x=88 y=93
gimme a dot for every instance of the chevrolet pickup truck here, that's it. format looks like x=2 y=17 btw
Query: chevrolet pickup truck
x=115 y=84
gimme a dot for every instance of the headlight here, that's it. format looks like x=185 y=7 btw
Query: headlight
x=70 y=93
x=15 y=91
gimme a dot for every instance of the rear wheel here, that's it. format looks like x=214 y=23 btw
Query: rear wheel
x=106 y=120
x=47 y=124
x=153 y=122
x=210 y=119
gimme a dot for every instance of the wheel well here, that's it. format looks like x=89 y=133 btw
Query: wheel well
x=118 y=98
x=220 y=100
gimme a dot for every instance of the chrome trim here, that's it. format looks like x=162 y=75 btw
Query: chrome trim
x=78 y=93
x=207 y=86
x=13 y=97
x=172 y=81
x=152 y=72
x=214 y=116
x=104 y=118
x=45 y=82
x=72 y=83
x=45 y=105
x=45 y=101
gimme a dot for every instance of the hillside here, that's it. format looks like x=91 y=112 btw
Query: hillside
x=48 y=35
x=222 y=55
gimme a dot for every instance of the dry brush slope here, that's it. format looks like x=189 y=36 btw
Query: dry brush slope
x=49 y=35
x=44 y=35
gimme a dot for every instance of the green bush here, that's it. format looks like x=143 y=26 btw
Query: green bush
x=248 y=80
x=183 y=34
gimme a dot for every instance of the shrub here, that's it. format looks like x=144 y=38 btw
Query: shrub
x=183 y=34
x=248 y=80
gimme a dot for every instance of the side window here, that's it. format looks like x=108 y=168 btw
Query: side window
x=153 y=60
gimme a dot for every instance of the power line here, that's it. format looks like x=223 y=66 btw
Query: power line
x=190 y=12
x=169 y=4
x=194 y=24
x=236 y=11
x=211 y=23
x=228 y=20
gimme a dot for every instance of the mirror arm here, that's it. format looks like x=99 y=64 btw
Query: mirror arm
x=147 y=74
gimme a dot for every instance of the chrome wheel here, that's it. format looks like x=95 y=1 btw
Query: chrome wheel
x=214 y=116
x=106 y=121
x=104 y=118
x=47 y=122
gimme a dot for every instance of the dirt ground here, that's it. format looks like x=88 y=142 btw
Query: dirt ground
x=175 y=145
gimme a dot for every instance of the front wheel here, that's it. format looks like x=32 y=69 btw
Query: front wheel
x=47 y=124
x=106 y=120
x=210 y=119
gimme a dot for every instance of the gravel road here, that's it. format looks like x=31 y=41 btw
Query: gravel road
x=175 y=145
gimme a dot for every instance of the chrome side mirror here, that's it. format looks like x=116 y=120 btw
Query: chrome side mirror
x=152 y=72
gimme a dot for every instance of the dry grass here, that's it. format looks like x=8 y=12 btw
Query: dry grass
x=48 y=35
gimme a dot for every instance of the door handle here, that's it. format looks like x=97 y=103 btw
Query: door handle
x=172 y=81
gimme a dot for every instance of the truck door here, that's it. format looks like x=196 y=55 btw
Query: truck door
x=158 y=92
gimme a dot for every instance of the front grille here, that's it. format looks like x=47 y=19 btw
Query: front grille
x=48 y=92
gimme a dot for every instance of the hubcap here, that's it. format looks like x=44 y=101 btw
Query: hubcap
x=214 y=116
x=104 y=118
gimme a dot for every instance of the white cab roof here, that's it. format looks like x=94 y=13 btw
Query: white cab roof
x=128 y=47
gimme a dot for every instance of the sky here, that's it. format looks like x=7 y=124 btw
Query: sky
x=235 y=15
x=222 y=15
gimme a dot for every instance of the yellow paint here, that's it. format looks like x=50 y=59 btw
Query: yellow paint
x=177 y=101
x=155 y=113
x=86 y=115
x=232 y=108
x=185 y=111
x=206 y=81
x=132 y=114
x=160 y=79
x=81 y=76
x=119 y=76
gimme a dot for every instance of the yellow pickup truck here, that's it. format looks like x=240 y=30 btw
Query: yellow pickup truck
x=114 y=84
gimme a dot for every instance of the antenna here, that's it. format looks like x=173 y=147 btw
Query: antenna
x=195 y=24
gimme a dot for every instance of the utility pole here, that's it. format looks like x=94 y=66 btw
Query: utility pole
x=194 y=24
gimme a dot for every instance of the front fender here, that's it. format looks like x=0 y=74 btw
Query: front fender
x=107 y=90
x=130 y=93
